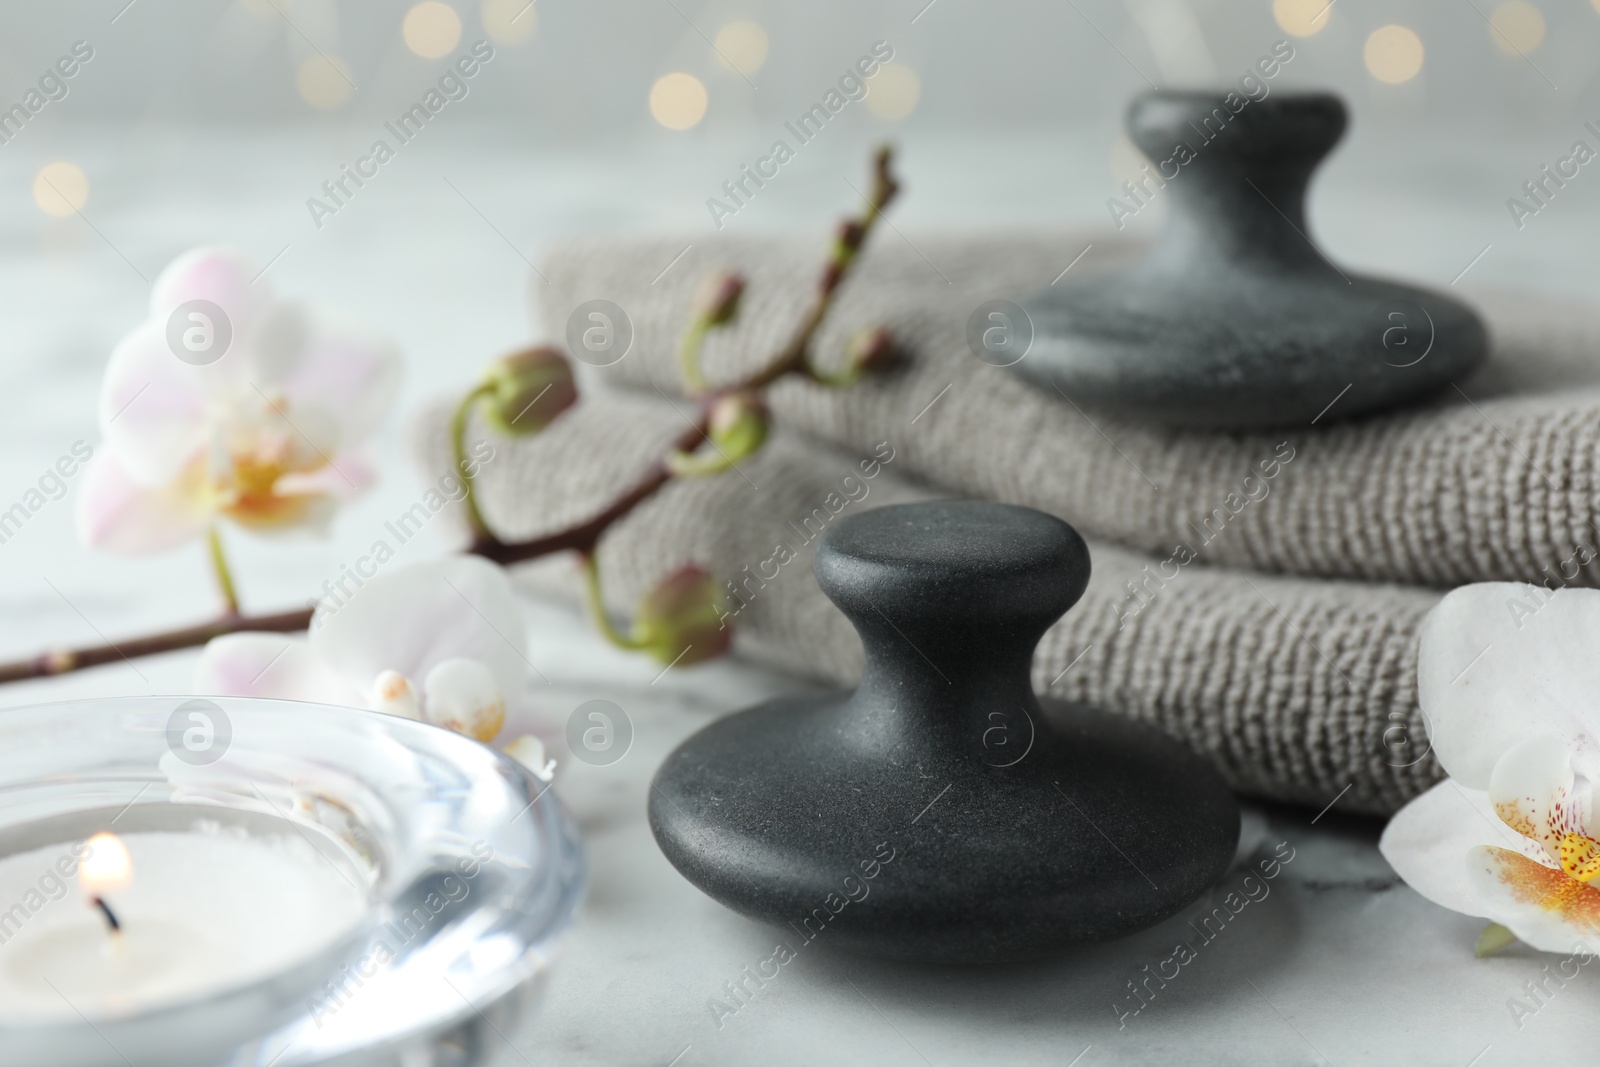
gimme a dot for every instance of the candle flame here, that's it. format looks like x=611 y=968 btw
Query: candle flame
x=106 y=865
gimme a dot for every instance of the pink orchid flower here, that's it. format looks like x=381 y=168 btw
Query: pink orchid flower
x=1507 y=677
x=441 y=641
x=227 y=403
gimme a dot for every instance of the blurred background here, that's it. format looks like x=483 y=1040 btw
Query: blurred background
x=190 y=122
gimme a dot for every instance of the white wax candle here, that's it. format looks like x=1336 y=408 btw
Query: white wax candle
x=204 y=910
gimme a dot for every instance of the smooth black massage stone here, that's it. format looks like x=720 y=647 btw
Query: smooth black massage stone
x=1234 y=319
x=941 y=811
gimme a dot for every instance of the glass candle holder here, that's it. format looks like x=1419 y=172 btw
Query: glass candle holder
x=283 y=883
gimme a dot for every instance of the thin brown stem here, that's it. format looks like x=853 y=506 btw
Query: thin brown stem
x=586 y=535
x=852 y=238
x=61 y=662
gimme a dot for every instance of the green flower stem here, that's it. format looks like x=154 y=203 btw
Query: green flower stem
x=839 y=379
x=597 y=605
x=219 y=568
x=458 y=447
x=694 y=382
x=698 y=464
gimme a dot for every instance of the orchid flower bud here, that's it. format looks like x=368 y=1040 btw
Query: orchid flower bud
x=870 y=349
x=680 y=620
x=718 y=300
x=737 y=428
x=847 y=239
x=528 y=389
x=393 y=694
x=739 y=423
x=463 y=695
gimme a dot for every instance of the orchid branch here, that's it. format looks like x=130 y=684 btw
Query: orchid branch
x=67 y=660
x=521 y=394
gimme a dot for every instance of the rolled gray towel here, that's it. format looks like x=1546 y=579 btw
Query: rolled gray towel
x=1297 y=689
x=1497 y=479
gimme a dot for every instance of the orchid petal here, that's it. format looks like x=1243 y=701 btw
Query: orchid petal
x=1542 y=906
x=153 y=410
x=280 y=666
x=1501 y=661
x=526 y=716
x=343 y=477
x=1531 y=789
x=223 y=276
x=418 y=616
x=117 y=514
x=327 y=368
x=1426 y=840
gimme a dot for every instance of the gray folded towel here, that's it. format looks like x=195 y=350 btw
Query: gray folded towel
x=1496 y=480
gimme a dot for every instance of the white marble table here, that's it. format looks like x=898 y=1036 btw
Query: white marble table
x=1336 y=964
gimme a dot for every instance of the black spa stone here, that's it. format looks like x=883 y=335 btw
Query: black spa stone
x=1235 y=319
x=941 y=811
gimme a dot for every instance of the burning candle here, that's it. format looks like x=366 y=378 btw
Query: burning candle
x=159 y=917
x=305 y=896
x=106 y=866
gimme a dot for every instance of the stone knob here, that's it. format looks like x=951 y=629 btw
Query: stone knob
x=963 y=579
x=941 y=811
x=1234 y=318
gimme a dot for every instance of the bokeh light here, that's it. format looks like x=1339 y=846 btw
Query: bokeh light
x=431 y=29
x=894 y=91
x=742 y=46
x=1394 y=54
x=678 y=100
x=1302 y=18
x=60 y=189
x=509 y=21
x=1516 y=27
x=324 y=82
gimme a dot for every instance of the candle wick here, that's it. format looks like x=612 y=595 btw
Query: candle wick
x=111 y=916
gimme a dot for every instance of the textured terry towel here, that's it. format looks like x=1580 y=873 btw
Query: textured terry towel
x=1495 y=481
x=1295 y=688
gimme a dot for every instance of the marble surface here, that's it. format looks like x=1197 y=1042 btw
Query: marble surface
x=1336 y=963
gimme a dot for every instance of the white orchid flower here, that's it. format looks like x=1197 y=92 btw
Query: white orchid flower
x=226 y=403
x=1508 y=676
x=440 y=641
